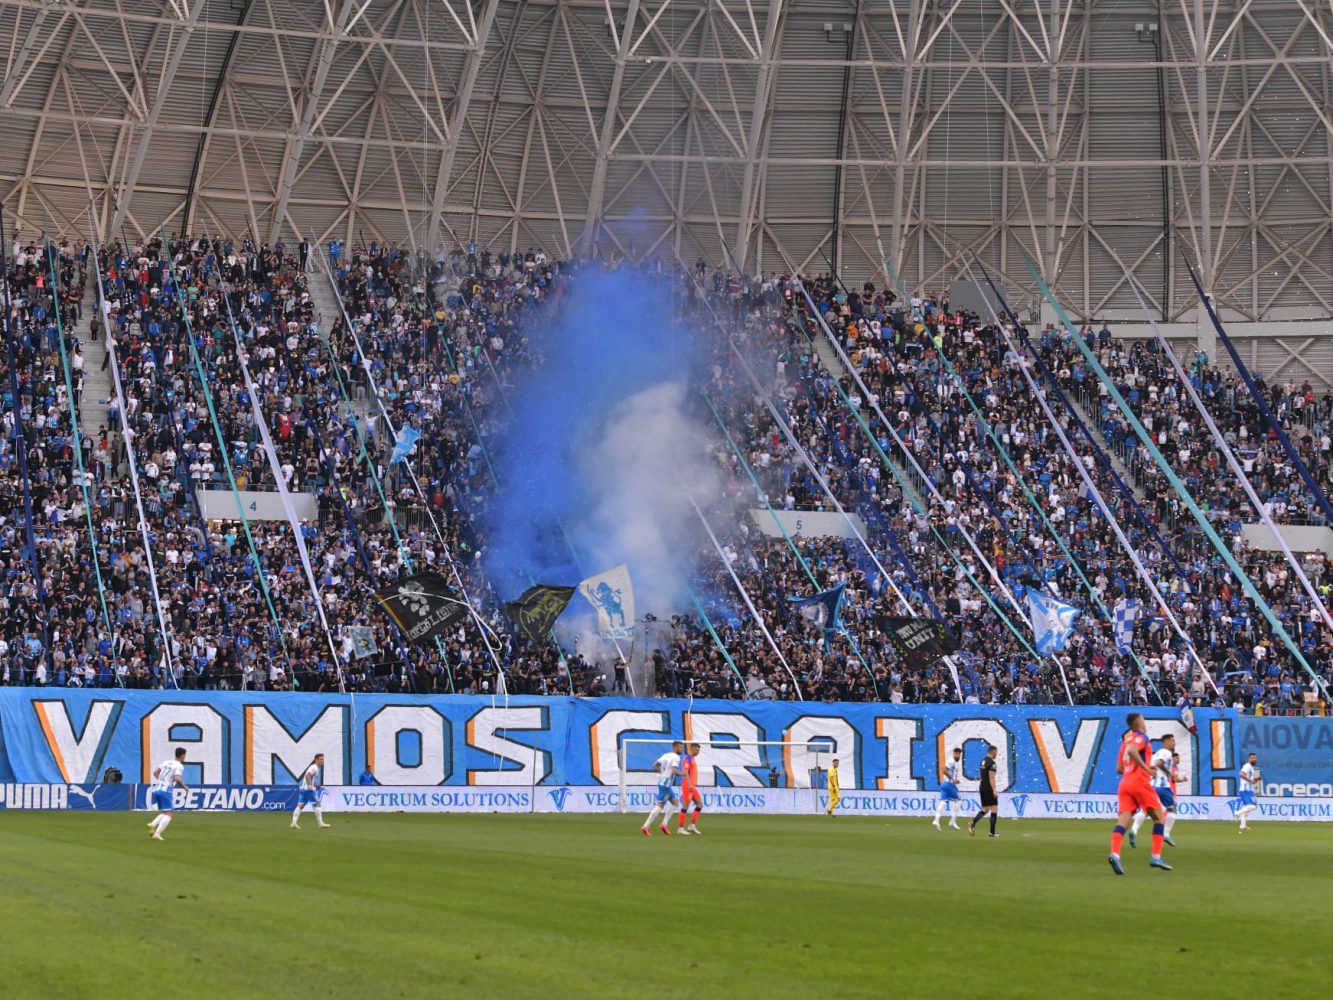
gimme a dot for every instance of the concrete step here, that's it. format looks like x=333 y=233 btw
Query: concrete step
x=97 y=384
x=1121 y=467
x=329 y=311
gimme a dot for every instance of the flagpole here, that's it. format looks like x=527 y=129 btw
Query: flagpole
x=824 y=486
x=270 y=452
x=21 y=447
x=1241 y=477
x=1002 y=589
x=103 y=314
x=759 y=619
x=416 y=484
x=1247 y=585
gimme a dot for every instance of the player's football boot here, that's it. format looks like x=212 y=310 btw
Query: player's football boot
x=1115 y=864
x=1133 y=839
x=665 y=829
x=1168 y=841
x=1159 y=863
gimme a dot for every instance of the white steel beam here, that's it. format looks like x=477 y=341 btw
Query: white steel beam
x=759 y=114
x=180 y=36
x=597 y=189
x=325 y=50
x=471 y=67
x=19 y=68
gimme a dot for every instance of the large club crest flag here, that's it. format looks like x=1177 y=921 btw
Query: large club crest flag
x=1052 y=622
x=919 y=641
x=537 y=608
x=822 y=610
x=612 y=594
x=422 y=606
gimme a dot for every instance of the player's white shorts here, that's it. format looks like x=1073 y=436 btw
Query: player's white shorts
x=949 y=792
x=665 y=793
x=307 y=797
x=162 y=799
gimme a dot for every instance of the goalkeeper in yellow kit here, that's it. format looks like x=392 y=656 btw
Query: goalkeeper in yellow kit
x=834 y=793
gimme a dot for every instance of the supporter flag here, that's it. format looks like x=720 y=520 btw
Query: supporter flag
x=612 y=594
x=363 y=641
x=919 y=641
x=1052 y=622
x=537 y=608
x=404 y=443
x=1187 y=715
x=422 y=606
x=822 y=610
x=1126 y=613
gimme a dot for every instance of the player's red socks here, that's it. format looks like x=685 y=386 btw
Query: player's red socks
x=1117 y=835
x=680 y=820
x=1158 y=832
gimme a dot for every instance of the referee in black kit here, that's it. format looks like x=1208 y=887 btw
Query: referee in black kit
x=990 y=802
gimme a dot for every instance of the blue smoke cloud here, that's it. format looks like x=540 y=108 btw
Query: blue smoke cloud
x=602 y=452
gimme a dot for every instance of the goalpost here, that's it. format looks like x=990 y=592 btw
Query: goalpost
x=798 y=765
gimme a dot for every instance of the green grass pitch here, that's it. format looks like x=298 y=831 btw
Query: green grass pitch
x=237 y=905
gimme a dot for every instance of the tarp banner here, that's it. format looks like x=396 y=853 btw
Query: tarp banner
x=252 y=738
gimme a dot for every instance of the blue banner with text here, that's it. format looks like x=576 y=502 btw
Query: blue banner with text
x=254 y=738
x=1295 y=755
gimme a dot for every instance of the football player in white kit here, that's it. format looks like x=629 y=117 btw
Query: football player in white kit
x=1164 y=784
x=166 y=776
x=667 y=767
x=1251 y=780
x=952 y=774
x=312 y=783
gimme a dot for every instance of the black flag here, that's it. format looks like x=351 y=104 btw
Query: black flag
x=537 y=608
x=422 y=606
x=919 y=641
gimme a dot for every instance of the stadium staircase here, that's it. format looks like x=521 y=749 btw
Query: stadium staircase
x=325 y=298
x=1127 y=475
x=97 y=384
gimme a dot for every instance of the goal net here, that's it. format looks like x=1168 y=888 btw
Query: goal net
x=769 y=776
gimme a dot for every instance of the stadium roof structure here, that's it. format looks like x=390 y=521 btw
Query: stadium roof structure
x=1099 y=137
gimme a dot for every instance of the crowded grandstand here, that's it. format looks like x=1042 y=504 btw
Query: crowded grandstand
x=953 y=439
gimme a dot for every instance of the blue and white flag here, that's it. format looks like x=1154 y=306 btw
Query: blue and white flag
x=1127 y=612
x=1052 y=622
x=612 y=594
x=822 y=610
x=404 y=443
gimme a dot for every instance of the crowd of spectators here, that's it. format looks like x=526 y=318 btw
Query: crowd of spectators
x=445 y=342
x=953 y=387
